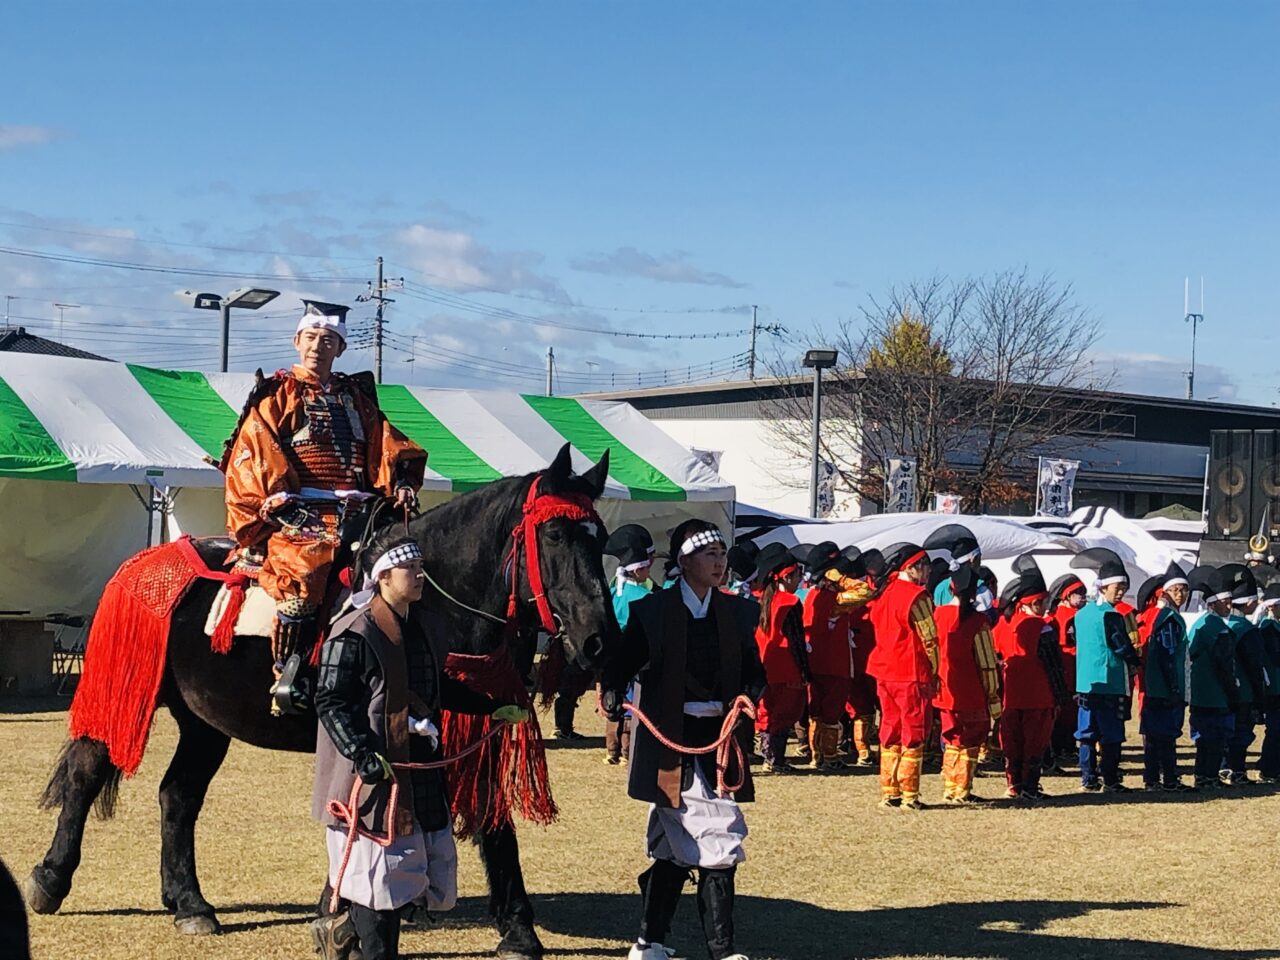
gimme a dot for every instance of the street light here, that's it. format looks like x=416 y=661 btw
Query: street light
x=819 y=360
x=246 y=298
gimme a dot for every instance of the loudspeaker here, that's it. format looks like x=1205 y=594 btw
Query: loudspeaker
x=1266 y=483
x=1230 y=484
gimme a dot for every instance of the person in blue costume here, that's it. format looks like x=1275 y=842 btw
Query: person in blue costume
x=632 y=546
x=1164 y=687
x=1251 y=680
x=1105 y=656
x=742 y=570
x=956 y=546
x=1213 y=680
x=1269 y=628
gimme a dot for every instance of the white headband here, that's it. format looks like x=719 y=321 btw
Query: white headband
x=397 y=556
x=1175 y=582
x=633 y=567
x=1108 y=581
x=1242 y=601
x=1226 y=595
x=1269 y=602
x=322 y=322
x=703 y=538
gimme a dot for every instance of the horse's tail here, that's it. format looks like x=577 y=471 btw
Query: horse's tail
x=69 y=773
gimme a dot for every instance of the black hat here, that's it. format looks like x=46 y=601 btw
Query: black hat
x=873 y=562
x=1106 y=563
x=801 y=552
x=1211 y=582
x=822 y=558
x=1027 y=576
x=773 y=559
x=900 y=555
x=1240 y=581
x=631 y=544
x=1271 y=594
x=1147 y=592
x=852 y=562
x=1173 y=575
x=1063 y=587
x=954 y=541
x=742 y=559
x=1009 y=594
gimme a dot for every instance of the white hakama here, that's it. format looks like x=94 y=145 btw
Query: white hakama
x=421 y=866
x=704 y=831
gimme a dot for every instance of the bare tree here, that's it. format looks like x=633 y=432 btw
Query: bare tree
x=972 y=378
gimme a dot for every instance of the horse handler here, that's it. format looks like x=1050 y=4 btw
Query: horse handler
x=694 y=649
x=379 y=696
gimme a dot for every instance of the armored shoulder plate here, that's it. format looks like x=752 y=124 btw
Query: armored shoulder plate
x=262 y=386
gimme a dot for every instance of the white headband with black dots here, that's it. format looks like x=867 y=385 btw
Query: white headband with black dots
x=703 y=538
x=397 y=556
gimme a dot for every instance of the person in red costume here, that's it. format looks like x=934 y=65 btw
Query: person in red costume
x=1066 y=596
x=863 y=704
x=1033 y=683
x=969 y=684
x=827 y=609
x=783 y=652
x=905 y=665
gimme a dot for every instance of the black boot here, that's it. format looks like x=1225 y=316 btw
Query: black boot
x=660 y=889
x=564 y=709
x=378 y=932
x=715 y=906
x=1111 y=768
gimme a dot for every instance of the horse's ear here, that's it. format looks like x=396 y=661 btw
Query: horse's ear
x=596 y=476
x=561 y=467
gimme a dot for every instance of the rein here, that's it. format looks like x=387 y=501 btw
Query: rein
x=349 y=812
x=724 y=746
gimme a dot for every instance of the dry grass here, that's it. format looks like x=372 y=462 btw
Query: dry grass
x=829 y=876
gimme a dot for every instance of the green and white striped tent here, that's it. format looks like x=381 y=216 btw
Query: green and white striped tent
x=101 y=431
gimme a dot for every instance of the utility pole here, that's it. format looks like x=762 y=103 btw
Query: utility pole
x=8 y=298
x=376 y=294
x=551 y=367
x=61 y=307
x=751 y=362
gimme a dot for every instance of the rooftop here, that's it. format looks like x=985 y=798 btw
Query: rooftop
x=17 y=340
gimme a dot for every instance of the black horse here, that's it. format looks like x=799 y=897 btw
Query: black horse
x=216 y=697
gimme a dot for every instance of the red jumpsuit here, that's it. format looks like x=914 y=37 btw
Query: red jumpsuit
x=826 y=628
x=1064 y=728
x=905 y=664
x=783 y=701
x=968 y=694
x=1030 y=706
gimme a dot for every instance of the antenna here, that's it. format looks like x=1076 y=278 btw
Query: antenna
x=1195 y=319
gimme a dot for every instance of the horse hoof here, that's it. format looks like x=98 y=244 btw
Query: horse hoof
x=37 y=899
x=201 y=925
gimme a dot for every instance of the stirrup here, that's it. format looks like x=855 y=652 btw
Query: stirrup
x=291 y=695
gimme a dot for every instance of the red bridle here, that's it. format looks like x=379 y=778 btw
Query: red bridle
x=538 y=509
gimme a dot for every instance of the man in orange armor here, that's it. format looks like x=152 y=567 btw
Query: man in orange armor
x=309 y=438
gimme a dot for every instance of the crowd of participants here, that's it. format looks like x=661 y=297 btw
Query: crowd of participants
x=917 y=650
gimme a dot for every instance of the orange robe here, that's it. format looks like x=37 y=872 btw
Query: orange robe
x=296 y=435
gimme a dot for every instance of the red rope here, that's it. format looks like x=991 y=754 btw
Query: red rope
x=538 y=509
x=726 y=742
x=349 y=812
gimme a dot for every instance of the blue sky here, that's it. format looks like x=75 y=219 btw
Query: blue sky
x=553 y=159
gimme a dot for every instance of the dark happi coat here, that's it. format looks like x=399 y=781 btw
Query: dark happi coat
x=375 y=671
x=656 y=644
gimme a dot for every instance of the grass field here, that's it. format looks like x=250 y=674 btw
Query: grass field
x=829 y=874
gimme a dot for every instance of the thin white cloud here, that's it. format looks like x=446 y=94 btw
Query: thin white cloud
x=13 y=136
x=664 y=268
x=1157 y=375
x=455 y=260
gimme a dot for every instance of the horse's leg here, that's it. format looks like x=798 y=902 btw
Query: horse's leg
x=201 y=750
x=84 y=774
x=508 y=901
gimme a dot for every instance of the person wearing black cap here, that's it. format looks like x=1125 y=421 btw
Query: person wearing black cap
x=694 y=651
x=632 y=546
x=955 y=544
x=1164 y=677
x=1269 y=628
x=905 y=665
x=857 y=587
x=1066 y=596
x=742 y=569
x=308 y=437
x=1034 y=688
x=1105 y=654
x=827 y=631
x=1251 y=681
x=784 y=653
x=1213 y=680
x=968 y=699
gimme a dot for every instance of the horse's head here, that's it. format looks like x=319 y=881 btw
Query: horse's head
x=570 y=561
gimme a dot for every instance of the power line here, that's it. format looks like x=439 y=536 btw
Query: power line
x=157 y=268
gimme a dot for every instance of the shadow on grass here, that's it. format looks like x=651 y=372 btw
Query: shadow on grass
x=33 y=704
x=1009 y=930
